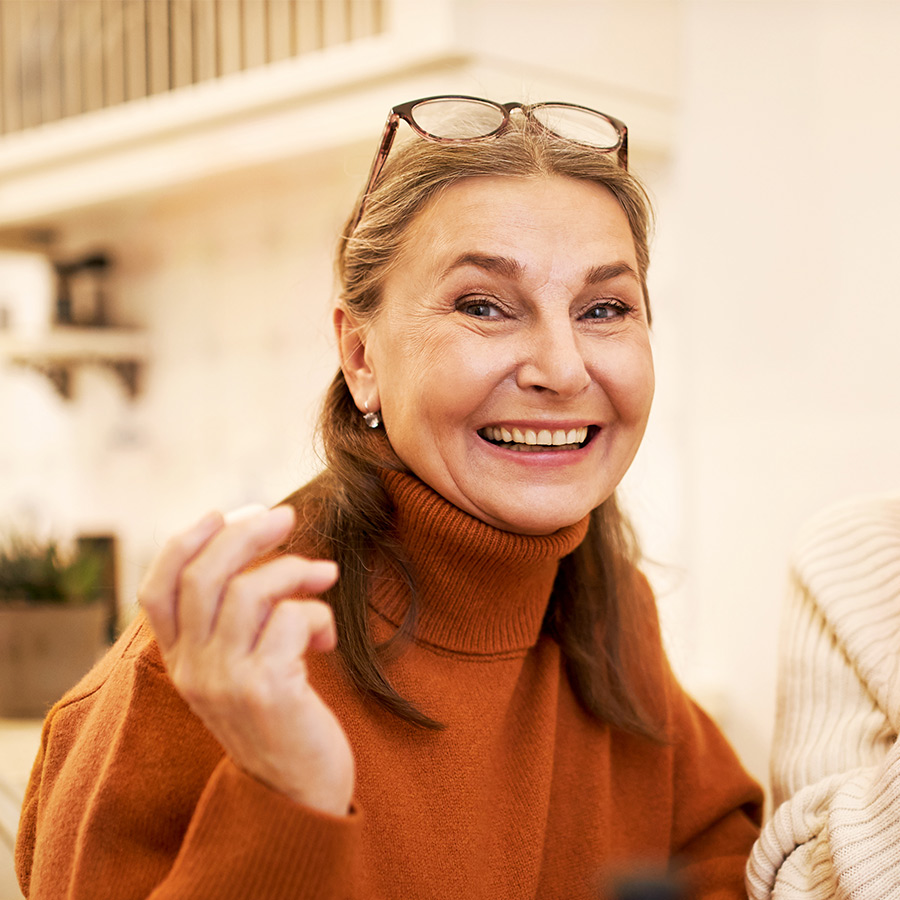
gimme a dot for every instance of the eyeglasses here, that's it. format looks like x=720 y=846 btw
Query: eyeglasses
x=462 y=119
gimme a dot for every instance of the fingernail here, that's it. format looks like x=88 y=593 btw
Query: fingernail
x=243 y=512
x=208 y=520
x=280 y=513
x=323 y=568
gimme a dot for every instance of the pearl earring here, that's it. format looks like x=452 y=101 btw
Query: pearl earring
x=372 y=419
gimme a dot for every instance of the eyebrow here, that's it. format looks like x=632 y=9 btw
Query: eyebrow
x=607 y=272
x=502 y=265
x=510 y=268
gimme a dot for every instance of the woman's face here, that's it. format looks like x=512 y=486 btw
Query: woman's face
x=510 y=358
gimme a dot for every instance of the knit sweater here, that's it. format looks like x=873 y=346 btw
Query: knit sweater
x=835 y=832
x=521 y=795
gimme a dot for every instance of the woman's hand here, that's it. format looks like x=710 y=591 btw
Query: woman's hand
x=234 y=647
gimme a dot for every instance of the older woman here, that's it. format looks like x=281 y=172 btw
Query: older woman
x=498 y=719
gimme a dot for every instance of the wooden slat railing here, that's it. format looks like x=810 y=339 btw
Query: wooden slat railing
x=61 y=58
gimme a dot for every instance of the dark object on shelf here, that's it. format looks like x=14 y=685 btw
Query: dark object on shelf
x=81 y=291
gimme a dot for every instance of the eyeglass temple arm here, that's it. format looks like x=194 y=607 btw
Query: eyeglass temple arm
x=623 y=150
x=387 y=140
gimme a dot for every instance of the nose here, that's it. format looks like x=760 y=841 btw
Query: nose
x=554 y=359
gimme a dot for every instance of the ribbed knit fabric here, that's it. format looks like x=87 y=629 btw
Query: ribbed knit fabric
x=521 y=795
x=835 y=832
x=469 y=571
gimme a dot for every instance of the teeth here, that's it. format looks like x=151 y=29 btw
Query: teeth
x=542 y=438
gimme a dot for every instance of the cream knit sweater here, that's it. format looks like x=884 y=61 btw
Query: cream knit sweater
x=835 y=831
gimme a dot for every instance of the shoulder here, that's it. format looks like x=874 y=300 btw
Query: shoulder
x=851 y=552
x=849 y=532
x=123 y=733
x=127 y=692
x=135 y=648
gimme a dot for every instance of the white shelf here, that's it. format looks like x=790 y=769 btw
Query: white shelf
x=58 y=351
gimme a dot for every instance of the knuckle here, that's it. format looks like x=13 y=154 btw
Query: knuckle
x=177 y=545
x=195 y=579
x=289 y=615
x=241 y=590
x=318 y=615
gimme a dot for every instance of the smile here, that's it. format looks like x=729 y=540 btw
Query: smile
x=529 y=440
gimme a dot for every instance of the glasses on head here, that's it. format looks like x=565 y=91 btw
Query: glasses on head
x=461 y=119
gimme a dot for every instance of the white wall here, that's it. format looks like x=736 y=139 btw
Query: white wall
x=784 y=305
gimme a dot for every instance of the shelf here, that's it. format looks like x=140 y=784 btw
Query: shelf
x=58 y=352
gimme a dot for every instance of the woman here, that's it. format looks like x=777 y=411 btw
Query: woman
x=835 y=757
x=498 y=718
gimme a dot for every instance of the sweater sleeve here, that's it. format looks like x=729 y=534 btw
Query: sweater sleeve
x=835 y=831
x=131 y=797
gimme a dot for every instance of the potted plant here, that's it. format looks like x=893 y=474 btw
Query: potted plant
x=53 y=622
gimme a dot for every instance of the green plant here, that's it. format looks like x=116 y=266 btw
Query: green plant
x=36 y=572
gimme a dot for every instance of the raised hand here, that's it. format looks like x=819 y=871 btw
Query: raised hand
x=234 y=644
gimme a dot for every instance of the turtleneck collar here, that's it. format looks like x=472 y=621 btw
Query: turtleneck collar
x=480 y=590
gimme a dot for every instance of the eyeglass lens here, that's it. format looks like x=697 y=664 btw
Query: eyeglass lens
x=460 y=119
x=580 y=125
x=457 y=119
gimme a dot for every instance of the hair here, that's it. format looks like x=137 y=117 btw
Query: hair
x=595 y=610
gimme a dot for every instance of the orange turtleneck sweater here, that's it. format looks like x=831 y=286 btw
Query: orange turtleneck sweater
x=522 y=795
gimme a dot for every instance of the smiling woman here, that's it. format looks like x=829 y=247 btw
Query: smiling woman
x=498 y=718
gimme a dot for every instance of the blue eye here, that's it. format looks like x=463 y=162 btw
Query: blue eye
x=479 y=309
x=609 y=309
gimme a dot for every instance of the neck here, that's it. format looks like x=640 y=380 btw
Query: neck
x=479 y=590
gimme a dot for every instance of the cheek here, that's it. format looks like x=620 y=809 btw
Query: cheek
x=630 y=384
x=452 y=388
x=445 y=373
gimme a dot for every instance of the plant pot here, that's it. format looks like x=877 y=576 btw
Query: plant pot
x=44 y=650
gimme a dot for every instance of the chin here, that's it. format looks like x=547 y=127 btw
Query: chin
x=538 y=525
x=544 y=512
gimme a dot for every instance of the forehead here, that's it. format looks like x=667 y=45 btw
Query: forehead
x=536 y=220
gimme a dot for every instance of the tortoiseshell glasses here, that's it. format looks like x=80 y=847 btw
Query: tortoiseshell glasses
x=461 y=119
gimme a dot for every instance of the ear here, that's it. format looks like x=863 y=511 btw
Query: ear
x=355 y=363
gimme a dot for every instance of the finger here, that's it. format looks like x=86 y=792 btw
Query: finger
x=158 y=593
x=233 y=548
x=294 y=627
x=250 y=597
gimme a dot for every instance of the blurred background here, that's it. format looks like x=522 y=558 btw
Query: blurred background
x=173 y=175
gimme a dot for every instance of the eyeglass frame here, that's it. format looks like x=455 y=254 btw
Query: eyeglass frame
x=404 y=111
